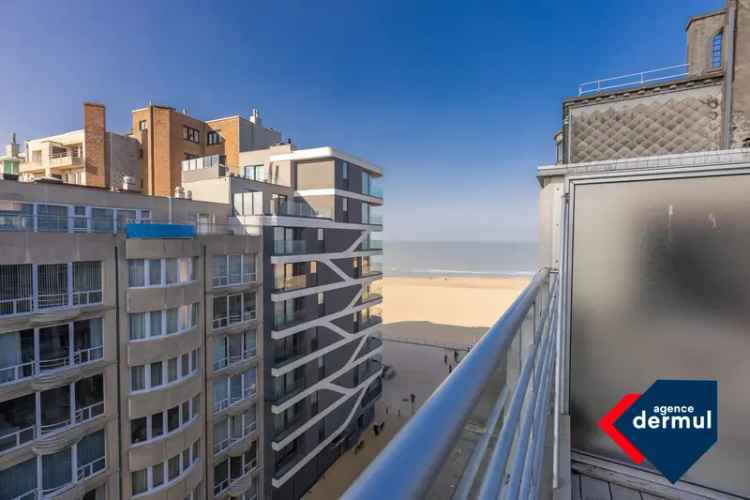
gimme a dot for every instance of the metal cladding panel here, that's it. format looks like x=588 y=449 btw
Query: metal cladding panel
x=160 y=231
x=661 y=289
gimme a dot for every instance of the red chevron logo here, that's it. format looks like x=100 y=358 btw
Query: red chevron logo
x=607 y=425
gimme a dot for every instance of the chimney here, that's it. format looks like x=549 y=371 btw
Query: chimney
x=95 y=144
x=128 y=183
x=255 y=117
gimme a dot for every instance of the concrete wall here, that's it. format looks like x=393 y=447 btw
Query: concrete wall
x=123 y=160
x=700 y=34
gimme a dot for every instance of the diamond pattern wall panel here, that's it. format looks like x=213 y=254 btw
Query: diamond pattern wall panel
x=680 y=122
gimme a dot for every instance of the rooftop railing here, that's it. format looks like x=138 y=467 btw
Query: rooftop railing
x=512 y=367
x=634 y=79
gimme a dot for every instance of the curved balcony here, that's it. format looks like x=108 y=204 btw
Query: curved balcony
x=235 y=444
x=235 y=402
x=54 y=437
x=237 y=362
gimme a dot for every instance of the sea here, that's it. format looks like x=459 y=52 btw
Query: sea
x=459 y=258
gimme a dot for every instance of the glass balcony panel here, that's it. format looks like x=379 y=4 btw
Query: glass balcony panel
x=55 y=405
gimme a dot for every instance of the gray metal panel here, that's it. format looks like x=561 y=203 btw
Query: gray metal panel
x=661 y=289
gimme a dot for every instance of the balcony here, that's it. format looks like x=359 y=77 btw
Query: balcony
x=298 y=208
x=234 y=399
x=235 y=437
x=297 y=282
x=50 y=367
x=371 y=245
x=49 y=435
x=67 y=159
x=288 y=319
x=297 y=247
x=280 y=397
x=235 y=359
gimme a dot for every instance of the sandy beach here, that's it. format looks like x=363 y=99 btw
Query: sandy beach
x=446 y=312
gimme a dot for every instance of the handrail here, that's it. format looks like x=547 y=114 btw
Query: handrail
x=640 y=78
x=407 y=467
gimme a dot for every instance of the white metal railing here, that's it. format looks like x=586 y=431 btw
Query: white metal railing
x=89 y=412
x=53 y=363
x=20 y=371
x=91 y=468
x=83 y=356
x=634 y=79
x=17 y=438
x=232 y=400
x=525 y=340
x=29 y=495
x=233 y=438
x=50 y=428
x=234 y=358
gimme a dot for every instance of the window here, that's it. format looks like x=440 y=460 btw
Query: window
x=213 y=137
x=16 y=289
x=173 y=418
x=152 y=324
x=233 y=269
x=321 y=234
x=161 y=272
x=191 y=134
x=157 y=424
x=138 y=430
x=142 y=125
x=716 y=43
x=174 y=468
x=255 y=173
x=158 y=474
x=139 y=481
x=53 y=285
x=344 y=170
x=156 y=374
x=234 y=308
x=137 y=378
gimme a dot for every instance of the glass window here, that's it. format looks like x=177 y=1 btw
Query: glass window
x=185 y=412
x=154 y=272
x=196 y=450
x=716 y=43
x=139 y=481
x=156 y=374
x=194 y=314
x=138 y=430
x=157 y=424
x=185 y=458
x=194 y=360
x=174 y=467
x=172 y=323
x=171 y=273
x=155 y=323
x=185 y=365
x=57 y=469
x=137 y=326
x=52 y=283
x=102 y=220
x=173 y=418
x=196 y=405
x=158 y=474
x=136 y=269
x=171 y=369
x=137 y=378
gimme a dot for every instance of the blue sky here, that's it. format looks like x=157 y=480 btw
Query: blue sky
x=458 y=101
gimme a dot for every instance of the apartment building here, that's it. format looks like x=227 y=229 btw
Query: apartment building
x=91 y=156
x=319 y=213
x=130 y=350
x=701 y=105
x=168 y=137
x=143 y=357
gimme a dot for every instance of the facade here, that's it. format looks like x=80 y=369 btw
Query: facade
x=117 y=358
x=207 y=348
x=168 y=137
x=703 y=105
x=319 y=212
x=91 y=156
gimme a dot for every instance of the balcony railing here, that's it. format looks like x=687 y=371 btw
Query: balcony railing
x=31 y=368
x=634 y=79
x=232 y=400
x=414 y=459
x=228 y=441
x=292 y=247
x=64 y=159
x=235 y=358
x=294 y=208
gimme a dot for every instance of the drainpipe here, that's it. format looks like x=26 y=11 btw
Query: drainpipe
x=731 y=27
